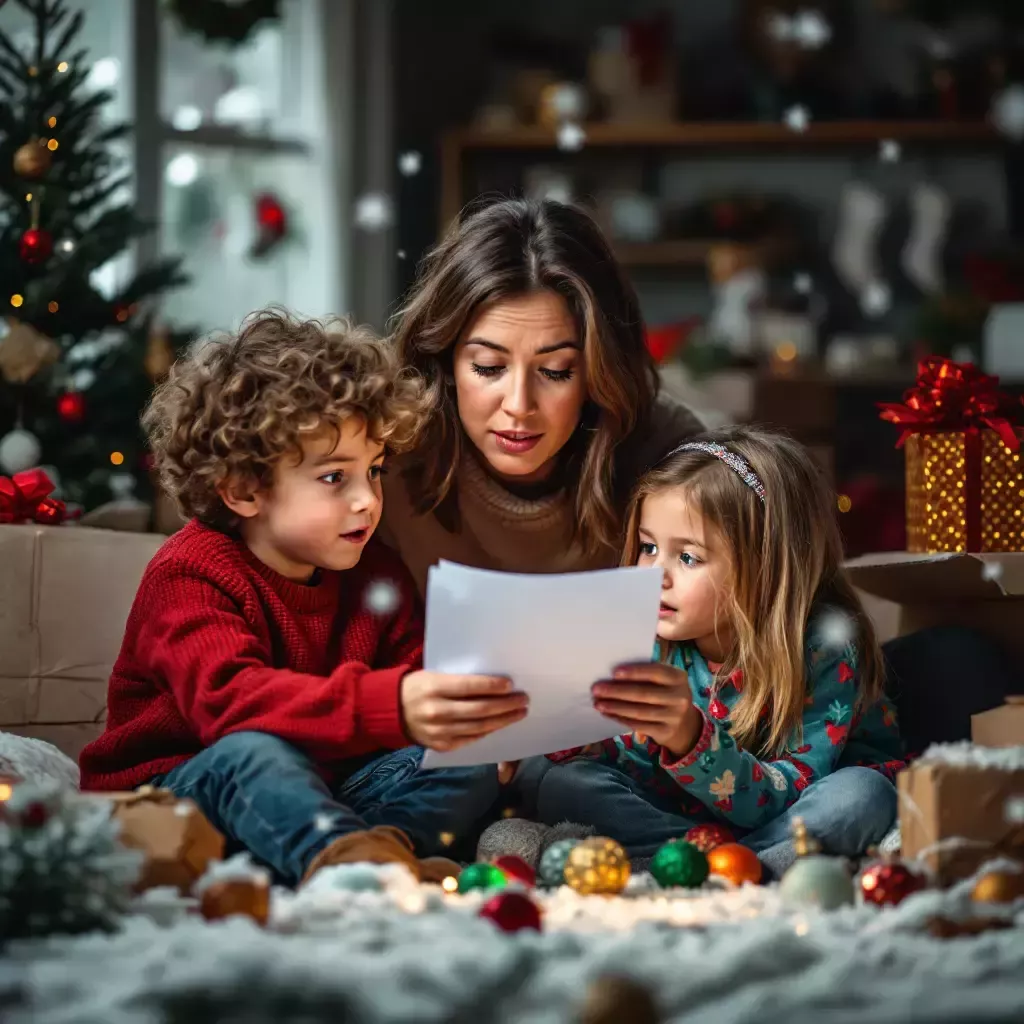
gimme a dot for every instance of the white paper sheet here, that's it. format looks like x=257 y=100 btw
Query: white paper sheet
x=553 y=635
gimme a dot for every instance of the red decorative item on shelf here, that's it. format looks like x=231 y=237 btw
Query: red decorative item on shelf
x=962 y=430
x=24 y=498
x=517 y=869
x=707 y=837
x=71 y=407
x=35 y=246
x=888 y=883
x=665 y=342
x=271 y=224
x=512 y=912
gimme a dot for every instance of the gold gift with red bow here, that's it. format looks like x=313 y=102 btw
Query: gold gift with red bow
x=25 y=498
x=965 y=479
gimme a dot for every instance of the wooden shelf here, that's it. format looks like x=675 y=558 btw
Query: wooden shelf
x=711 y=134
x=669 y=253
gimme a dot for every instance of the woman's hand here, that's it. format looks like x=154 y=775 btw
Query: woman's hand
x=507 y=771
x=654 y=700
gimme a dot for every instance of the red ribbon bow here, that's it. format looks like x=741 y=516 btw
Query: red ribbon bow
x=25 y=497
x=955 y=396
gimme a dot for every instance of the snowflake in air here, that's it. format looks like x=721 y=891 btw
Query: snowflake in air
x=837 y=629
x=876 y=299
x=797 y=118
x=382 y=597
x=571 y=137
x=889 y=151
x=410 y=163
x=374 y=211
x=992 y=571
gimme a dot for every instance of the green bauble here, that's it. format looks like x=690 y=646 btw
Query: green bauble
x=551 y=871
x=818 y=882
x=481 y=876
x=679 y=863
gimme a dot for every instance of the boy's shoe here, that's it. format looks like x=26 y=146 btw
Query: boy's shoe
x=382 y=844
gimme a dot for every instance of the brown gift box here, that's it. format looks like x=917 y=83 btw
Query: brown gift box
x=956 y=817
x=65 y=594
x=177 y=840
x=1000 y=727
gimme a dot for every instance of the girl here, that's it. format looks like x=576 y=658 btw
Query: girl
x=767 y=688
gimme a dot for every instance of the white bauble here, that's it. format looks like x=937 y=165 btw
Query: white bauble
x=19 y=450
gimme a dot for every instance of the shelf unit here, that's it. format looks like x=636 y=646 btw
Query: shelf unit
x=459 y=144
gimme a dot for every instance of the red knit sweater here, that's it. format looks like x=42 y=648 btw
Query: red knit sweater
x=217 y=642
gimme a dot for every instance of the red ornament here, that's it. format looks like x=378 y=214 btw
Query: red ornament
x=512 y=911
x=271 y=223
x=35 y=815
x=71 y=407
x=36 y=246
x=888 y=883
x=707 y=837
x=517 y=869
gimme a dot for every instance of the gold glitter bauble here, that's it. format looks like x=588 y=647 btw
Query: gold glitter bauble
x=32 y=160
x=998 y=887
x=611 y=1000
x=597 y=865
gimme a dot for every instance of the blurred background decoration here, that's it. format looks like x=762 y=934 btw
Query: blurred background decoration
x=809 y=195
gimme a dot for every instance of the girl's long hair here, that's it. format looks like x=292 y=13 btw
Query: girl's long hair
x=505 y=250
x=786 y=558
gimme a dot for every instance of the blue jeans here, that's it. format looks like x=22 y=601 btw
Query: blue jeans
x=847 y=812
x=266 y=795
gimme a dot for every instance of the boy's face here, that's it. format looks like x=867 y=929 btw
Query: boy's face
x=320 y=511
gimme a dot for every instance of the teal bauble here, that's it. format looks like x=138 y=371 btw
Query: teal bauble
x=481 y=876
x=817 y=881
x=679 y=864
x=551 y=871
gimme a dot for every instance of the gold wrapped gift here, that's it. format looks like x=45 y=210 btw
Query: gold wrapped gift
x=953 y=506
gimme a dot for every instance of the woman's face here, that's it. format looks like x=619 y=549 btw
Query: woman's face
x=520 y=383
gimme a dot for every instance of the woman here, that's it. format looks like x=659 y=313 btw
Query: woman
x=531 y=340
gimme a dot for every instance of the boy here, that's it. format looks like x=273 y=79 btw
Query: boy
x=273 y=648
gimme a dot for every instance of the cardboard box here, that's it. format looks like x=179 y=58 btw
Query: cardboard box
x=955 y=816
x=177 y=840
x=984 y=591
x=65 y=594
x=1000 y=727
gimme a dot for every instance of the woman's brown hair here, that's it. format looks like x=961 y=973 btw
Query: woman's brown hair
x=786 y=556
x=501 y=251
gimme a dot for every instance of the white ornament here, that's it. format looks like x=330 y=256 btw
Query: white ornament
x=401 y=254
x=876 y=299
x=122 y=485
x=382 y=597
x=571 y=137
x=83 y=379
x=797 y=118
x=409 y=163
x=66 y=246
x=803 y=283
x=19 y=450
x=568 y=101
x=374 y=211
x=1008 y=112
x=889 y=151
x=811 y=30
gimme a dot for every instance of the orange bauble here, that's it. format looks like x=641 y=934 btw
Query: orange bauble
x=735 y=863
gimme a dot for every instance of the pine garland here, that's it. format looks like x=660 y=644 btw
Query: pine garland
x=62 y=868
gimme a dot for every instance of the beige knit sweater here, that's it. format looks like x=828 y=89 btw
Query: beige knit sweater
x=499 y=530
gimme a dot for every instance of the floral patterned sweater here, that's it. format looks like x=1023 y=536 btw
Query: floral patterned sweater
x=720 y=780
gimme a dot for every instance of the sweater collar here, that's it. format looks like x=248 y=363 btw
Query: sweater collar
x=478 y=486
x=318 y=595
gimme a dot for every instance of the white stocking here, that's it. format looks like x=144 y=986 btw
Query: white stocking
x=862 y=215
x=922 y=255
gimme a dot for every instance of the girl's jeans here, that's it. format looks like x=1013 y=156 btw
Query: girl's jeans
x=265 y=795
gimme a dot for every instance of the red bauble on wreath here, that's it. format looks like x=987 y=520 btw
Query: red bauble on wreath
x=271 y=224
x=71 y=407
x=35 y=246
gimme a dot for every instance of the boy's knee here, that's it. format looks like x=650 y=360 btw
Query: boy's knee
x=243 y=750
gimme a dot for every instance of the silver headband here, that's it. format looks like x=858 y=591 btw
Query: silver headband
x=736 y=463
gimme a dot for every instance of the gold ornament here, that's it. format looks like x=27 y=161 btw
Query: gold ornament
x=24 y=352
x=159 y=355
x=32 y=160
x=998 y=887
x=597 y=865
x=610 y=1000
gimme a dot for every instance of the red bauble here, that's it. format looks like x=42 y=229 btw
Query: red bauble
x=888 y=883
x=270 y=214
x=36 y=245
x=35 y=815
x=707 y=837
x=517 y=869
x=512 y=911
x=71 y=407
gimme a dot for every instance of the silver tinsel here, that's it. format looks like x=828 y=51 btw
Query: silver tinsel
x=62 y=868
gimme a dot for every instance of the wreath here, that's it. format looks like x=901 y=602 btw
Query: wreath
x=224 y=21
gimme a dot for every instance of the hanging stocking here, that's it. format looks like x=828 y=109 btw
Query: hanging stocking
x=862 y=215
x=922 y=255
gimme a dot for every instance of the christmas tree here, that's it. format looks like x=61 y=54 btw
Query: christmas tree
x=78 y=357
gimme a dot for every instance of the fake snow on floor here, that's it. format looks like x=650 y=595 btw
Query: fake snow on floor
x=413 y=954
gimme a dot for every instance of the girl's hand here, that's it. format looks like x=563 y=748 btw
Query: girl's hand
x=653 y=700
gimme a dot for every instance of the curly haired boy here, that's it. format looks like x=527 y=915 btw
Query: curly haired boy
x=273 y=651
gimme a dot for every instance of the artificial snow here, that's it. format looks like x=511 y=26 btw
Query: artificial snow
x=408 y=953
x=968 y=755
